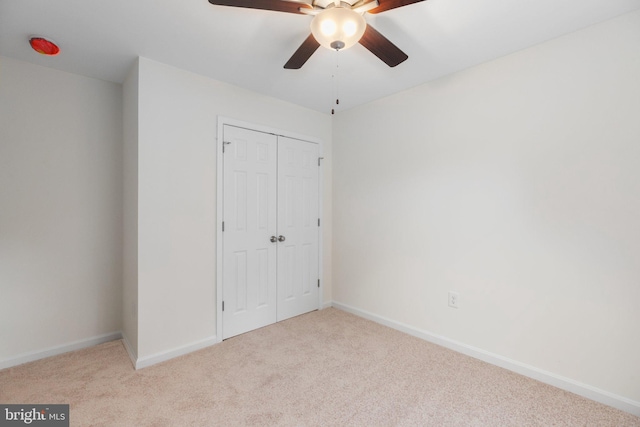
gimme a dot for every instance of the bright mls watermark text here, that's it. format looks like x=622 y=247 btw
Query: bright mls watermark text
x=34 y=415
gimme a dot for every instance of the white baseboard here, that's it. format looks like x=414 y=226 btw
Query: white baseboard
x=60 y=349
x=162 y=356
x=132 y=354
x=546 y=377
x=327 y=304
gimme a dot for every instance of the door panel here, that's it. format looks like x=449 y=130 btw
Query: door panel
x=298 y=222
x=249 y=214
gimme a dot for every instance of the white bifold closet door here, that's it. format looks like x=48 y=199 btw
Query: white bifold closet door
x=297 y=273
x=271 y=231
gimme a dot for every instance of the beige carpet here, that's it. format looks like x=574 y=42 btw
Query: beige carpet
x=326 y=368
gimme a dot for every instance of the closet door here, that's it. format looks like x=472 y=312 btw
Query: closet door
x=249 y=215
x=298 y=228
x=271 y=231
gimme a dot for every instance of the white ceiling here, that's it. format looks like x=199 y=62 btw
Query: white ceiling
x=248 y=48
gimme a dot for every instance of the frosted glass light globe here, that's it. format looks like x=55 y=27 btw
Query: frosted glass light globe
x=338 y=28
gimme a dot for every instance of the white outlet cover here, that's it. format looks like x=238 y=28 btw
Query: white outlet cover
x=454 y=299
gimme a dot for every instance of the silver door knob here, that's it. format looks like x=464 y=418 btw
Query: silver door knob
x=281 y=239
x=273 y=239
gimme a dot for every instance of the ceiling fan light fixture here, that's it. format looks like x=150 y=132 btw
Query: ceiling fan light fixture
x=338 y=28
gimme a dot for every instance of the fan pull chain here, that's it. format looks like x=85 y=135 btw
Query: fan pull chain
x=336 y=82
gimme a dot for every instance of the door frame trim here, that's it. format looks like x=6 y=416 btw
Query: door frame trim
x=221 y=121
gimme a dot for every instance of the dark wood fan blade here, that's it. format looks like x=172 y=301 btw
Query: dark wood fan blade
x=303 y=53
x=381 y=47
x=277 y=5
x=392 y=4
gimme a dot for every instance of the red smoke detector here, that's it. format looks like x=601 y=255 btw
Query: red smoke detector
x=44 y=46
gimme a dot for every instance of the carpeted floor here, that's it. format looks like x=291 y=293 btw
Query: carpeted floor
x=325 y=368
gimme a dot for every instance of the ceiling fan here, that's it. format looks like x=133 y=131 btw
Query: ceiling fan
x=336 y=25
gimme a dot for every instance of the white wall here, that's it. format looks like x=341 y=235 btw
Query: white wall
x=517 y=184
x=177 y=198
x=130 y=212
x=60 y=209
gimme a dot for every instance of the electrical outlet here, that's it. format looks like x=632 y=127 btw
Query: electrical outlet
x=454 y=299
